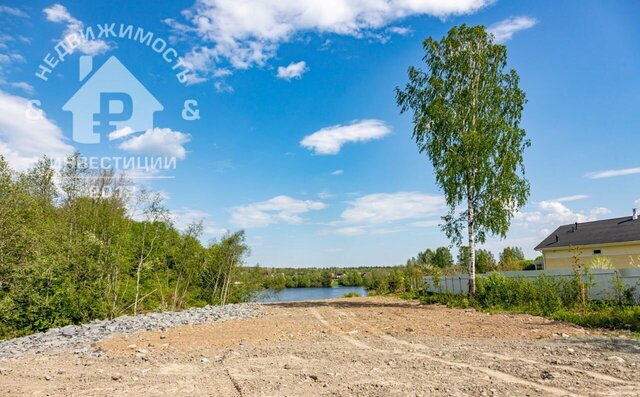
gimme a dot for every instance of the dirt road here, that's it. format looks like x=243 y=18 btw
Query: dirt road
x=359 y=346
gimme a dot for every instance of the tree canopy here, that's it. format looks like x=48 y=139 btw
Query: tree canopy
x=466 y=113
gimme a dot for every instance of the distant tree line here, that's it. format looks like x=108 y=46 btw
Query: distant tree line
x=511 y=258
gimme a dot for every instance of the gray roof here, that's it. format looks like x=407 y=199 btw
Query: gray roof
x=618 y=230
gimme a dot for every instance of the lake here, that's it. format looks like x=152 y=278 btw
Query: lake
x=308 y=294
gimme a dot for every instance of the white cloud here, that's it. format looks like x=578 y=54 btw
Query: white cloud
x=350 y=231
x=292 y=71
x=278 y=209
x=244 y=33
x=324 y=194
x=387 y=213
x=575 y=197
x=381 y=208
x=184 y=217
x=429 y=223
x=612 y=173
x=11 y=58
x=23 y=140
x=329 y=140
x=158 y=141
x=121 y=133
x=221 y=86
x=16 y=12
x=26 y=87
x=337 y=172
x=399 y=30
x=504 y=30
x=58 y=13
x=553 y=213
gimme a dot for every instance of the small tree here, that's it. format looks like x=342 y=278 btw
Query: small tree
x=485 y=262
x=466 y=115
x=442 y=257
x=511 y=258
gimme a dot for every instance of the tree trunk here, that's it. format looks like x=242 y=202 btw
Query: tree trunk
x=472 y=249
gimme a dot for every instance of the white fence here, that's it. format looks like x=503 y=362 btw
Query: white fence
x=602 y=288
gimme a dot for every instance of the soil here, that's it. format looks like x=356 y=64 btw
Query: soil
x=370 y=346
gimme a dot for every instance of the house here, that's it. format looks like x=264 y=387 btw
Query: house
x=616 y=239
x=110 y=99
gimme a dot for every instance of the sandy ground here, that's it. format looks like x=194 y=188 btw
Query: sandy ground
x=359 y=346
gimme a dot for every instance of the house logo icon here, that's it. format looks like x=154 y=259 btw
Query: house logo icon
x=111 y=98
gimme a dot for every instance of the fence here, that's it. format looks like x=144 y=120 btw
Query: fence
x=602 y=288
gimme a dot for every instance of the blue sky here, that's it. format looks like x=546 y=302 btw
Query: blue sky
x=299 y=140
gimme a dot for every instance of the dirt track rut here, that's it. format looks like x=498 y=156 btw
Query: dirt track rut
x=360 y=346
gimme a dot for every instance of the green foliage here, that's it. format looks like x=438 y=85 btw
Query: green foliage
x=556 y=298
x=511 y=258
x=351 y=294
x=612 y=317
x=93 y=250
x=485 y=262
x=351 y=278
x=442 y=257
x=466 y=115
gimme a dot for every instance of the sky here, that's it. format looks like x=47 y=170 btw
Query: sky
x=292 y=132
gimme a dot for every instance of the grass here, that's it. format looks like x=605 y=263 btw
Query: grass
x=561 y=300
x=594 y=315
x=351 y=294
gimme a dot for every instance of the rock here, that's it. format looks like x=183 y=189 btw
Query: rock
x=287 y=366
x=204 y=360
x=546 y=375
x=616 y=358
x=313 y=377
x=78 y=339
x=116 y=377
x=47 y=377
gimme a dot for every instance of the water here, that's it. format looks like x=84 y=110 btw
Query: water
x=308 y=294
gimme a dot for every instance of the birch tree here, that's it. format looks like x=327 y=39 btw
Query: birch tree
x=466 y=114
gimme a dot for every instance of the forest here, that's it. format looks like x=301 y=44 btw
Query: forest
x=78 y=245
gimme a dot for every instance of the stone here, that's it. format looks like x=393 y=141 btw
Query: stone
x=546 y=375
x=78 y=339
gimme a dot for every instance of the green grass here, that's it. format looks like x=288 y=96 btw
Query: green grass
x=594 y=315
x=555 y=299
x=351 y=294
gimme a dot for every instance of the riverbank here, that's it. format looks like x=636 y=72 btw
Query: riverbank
x=373 y=346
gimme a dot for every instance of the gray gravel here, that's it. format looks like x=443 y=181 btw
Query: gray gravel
x=80 y=338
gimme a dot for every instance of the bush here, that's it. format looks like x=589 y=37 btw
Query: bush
x=351 y=294
x=559 y=299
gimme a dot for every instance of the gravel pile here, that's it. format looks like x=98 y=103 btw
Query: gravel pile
x=79 y=338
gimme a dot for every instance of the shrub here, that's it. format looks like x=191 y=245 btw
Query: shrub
x=560 y=299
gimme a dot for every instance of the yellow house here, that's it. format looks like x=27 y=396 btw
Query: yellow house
x=616 y=241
